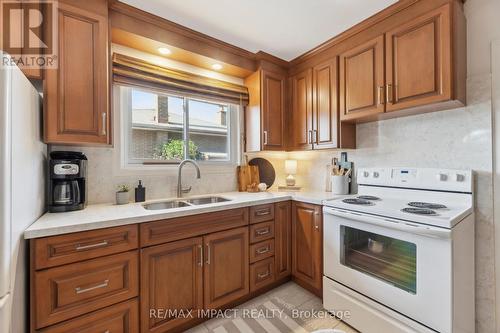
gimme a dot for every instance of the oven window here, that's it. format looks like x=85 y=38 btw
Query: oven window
x=388 y=259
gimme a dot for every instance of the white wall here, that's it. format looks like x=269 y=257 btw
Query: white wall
x=483 y=26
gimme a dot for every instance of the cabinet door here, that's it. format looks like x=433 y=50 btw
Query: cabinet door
x=325 y=105
x=76 y=103
x=362 y=80
x=123 y=317
x=283 y=239
x=418 y=61
x=226 y=268
x=171 y=279
x=301 y=125
x=307 y=243
x=273 y=111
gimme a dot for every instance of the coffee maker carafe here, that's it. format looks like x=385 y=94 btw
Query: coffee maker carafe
x=67 y=188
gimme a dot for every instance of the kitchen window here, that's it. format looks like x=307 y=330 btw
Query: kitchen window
x=159 y=127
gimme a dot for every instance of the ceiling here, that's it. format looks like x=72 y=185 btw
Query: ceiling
x=283 y=28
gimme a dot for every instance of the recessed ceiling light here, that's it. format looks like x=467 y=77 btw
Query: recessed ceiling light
x=164 y=51
x=217 y=67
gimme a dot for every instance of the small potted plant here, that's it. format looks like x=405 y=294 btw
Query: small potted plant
x=122 y=195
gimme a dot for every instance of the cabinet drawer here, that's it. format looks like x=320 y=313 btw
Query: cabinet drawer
x=261 y=213
x=261 y=231
x=170 y=230
x=261 y=274
x=68 y=291
x=261 y=250
x=123 y=317
x=66 y=249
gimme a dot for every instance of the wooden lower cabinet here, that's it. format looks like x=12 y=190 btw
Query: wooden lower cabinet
x=69 y=291
x=307 y=245
x=120 y=318
x=79 y=283
x=283 y=239
x=262 y=274
x=226 y=275
x=171 y=279
x=261 y=250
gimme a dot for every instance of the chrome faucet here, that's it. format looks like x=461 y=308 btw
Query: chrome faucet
x=180 y=189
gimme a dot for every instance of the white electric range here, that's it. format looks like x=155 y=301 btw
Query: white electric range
x=399 y=256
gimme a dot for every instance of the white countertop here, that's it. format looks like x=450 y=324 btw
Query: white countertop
x=109 y=215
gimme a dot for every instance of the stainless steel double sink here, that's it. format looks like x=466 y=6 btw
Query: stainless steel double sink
x=178 y=203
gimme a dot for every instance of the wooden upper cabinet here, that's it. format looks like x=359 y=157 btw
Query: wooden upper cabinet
x=418 y=61
x=265 y=114
x=273 y=111
x=76 y=104
x=226 y=267
x=325 y=105
x=301 y=118
x=362 y=80
x=307 y=245
x=171 y=279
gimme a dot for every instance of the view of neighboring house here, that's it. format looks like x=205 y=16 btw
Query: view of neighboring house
x=163 y=120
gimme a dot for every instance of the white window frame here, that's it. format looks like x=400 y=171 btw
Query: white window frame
x=122 y=99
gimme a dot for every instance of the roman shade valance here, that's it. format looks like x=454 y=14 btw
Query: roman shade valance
x=132 y=71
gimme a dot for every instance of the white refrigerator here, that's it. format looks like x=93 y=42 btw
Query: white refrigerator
x=22 y=190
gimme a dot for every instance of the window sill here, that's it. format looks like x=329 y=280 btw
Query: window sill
x=172 y=169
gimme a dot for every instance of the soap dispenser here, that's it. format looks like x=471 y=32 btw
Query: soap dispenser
x=140 y=193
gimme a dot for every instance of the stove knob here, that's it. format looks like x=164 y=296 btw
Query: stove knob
x=441 y=177
x=459 y=177
x=366 y=174
x=375 y=174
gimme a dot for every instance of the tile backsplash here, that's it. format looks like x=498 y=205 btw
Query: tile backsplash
x=103 y=178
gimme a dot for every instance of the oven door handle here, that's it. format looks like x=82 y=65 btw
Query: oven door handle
x=414 y=228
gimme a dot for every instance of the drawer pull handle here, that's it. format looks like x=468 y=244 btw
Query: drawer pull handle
x=80 y=290
x=263 y=250
x=263 y=275
x=91 y=246
x=263 y=212
x=263 y=232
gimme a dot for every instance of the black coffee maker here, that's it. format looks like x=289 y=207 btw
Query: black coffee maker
x=67 y=185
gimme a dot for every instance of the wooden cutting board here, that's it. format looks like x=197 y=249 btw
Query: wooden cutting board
x=247 y=175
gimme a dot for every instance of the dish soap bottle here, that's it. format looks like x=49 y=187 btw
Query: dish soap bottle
x=140 y=193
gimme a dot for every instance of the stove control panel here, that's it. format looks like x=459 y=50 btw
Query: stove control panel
x=418 y=178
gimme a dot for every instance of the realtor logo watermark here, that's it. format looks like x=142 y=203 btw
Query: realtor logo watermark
x=29 y=33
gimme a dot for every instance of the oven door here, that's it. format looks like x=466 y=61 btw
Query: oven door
x=404 y=266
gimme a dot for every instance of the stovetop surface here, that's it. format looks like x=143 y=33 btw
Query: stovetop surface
x=441 y=209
